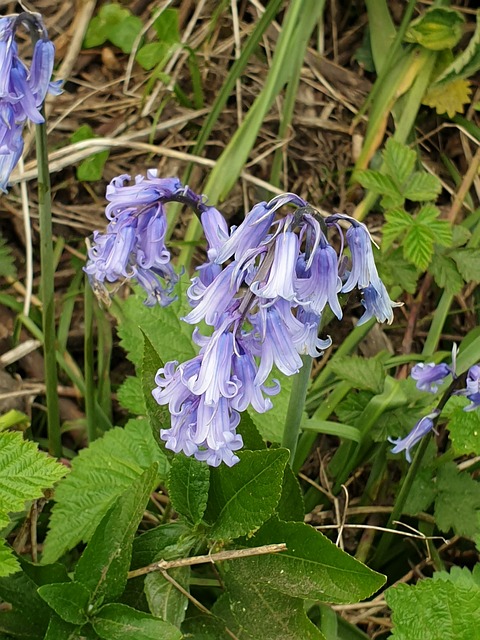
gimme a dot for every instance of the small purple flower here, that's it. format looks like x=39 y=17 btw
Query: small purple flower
x=472 y=390
x=428 y=374
x=423 y=426
x=377 y=304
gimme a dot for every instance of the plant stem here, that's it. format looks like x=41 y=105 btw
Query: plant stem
x=296 y=406
x=89 y=365
x=47 y=288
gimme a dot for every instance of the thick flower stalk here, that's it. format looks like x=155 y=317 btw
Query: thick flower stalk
x=22 y=88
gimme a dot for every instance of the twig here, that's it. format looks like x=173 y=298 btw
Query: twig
x=464 y=187
x=235 y=554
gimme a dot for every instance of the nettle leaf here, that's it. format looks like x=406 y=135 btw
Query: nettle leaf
x=119 y=622
x=99 y=476
x=242 y=497
x=68 y=599
x=397 y=222
x=188 y=485
x=399 y=160
x=422 y=186
x=422 y=610
x=457 y=505
x=467 y=63
x=366 y=374
x=170 y=336
x=464 y=428
x=449 y=97
x=378 y=183
x=130 y=396
x=103 y=566
x=438 y=28
x=312 y=567
x=418 y=245
x=445 y=273
x=468 y=263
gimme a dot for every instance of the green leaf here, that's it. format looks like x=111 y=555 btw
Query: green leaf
x=467 y=63
x=108 y=23
x=464 y=428
x=188 y=484
x=90 y=169
x=423 y=489
x=422 y=186
x=99 y=476
x=164 y=599
x=24 y=473
x=130 y=396
x=170 y=336
x=153 y=54
x=125 y=33
x=242 y=497
x=251 y=437
x=272 y=423
x=8 y=562
x=103 y=566
x=161 y=541
x=119 y=622
x=397 y=222
x=291 y=506
x=366 y=374
x=379 y=183
x=312 y=567
x=395 y=270
x=445 y=273
x=399 y=161
x=441 y=229
x=68 y=599
x=468 y=263
x=204 y=627
x=28 y=615
x=158 y=415
x=422 y=610
x=418 y=245
x=7 y=261
x=58 y=628
x=438 y=28
x=457 y=505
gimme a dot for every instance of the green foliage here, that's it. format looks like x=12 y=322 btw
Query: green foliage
x=100 y=474
x=164 y=599
x=119 y=622
x=24 y=474
x=448 y=603
x=90 y=169
x=466 y=64
x=158 y=415
x=188 y=484
x=464 y=428
x=7 y=261
x=366 y=374
x=68 y=599
x=244 y=496
x=457 y=505
x=113 y=23
x=438 y=28
x=130 y=396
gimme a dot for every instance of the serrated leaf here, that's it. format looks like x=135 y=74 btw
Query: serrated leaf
x=438 y=28
x=466 y=63
x=242 y=497
x=449 y=97
x=104 y=564
x=399 y=160
x=24 y=473
x=8 y=562
x=397 y=222
x=130 y=396
x=422 y=610
x=395 y=270
x=158 y=415
x=312 y=567
x=464 y=428
x=100 y=474
x=457 y=505
x=366 y=374
x=378 y=183
x=445 y=273
x=422 y=186
x=468 y=263
x=188 y=484
x=251 y=437
x=164 y=599
x=68 y=599
x=291 y=506
x=418 y=246
x=119 y=622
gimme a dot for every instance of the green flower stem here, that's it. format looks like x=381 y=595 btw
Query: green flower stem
x=296 y=407
x=89 y=365
x=48 y=293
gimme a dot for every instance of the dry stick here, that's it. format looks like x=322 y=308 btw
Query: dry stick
x=163 y=565
x=464 y=187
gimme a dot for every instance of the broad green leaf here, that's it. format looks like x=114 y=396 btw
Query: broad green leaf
x=170 y=336
x=251 y=437
x=58 y=628
x=312 y=567
x=68 y=599
x=167 y=27
x=119 y=622
x=100 y=474
x=399 y=161
x=438 y=28
x=153 y=54
x=366 y=374
x=445 y=272
x=90 y=169
x=378 y=183
x=188 y=484
x=422 y=186
x=465 y=64
x=24 y=473
x=457 y=505
x=418 y=245
x=204 y=627
x=8 y=562
x=109 y=23
x=464 y=428
x=242 y=497
x=272 y=423
x=158 y=415
x=291 y=506
x=158 y=542
x=28 y=615
x=130 y=396
x=125 y=33
x=395 y=270
x=104 y=564
x=449 y=97
x=165 y=601
x=468 y=263
x=397 y=222
x=434 y=609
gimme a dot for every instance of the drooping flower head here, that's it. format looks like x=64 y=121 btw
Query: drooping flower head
x=423 y=426
x=22 y=89
x=472 y=389
x=429 y=375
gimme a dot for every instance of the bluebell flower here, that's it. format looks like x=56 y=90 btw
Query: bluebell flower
x=472 y=390
x=428 y=374
x=377 y=304
x=423 y=426
x=22 y=89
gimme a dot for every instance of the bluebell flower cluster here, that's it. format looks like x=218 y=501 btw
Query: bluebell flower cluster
x=22 y=89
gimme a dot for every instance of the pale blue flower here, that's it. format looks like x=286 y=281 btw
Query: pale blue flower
x=472 y=390
x=428 y=374
x=421 y=429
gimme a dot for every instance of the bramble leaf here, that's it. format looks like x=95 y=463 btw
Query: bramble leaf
x=445 y=272
x=418 y=245
x=379 y=183
x=8 y=562
x=422 y=186
x=399 y=161
x=397 y=222
x=468 y=263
